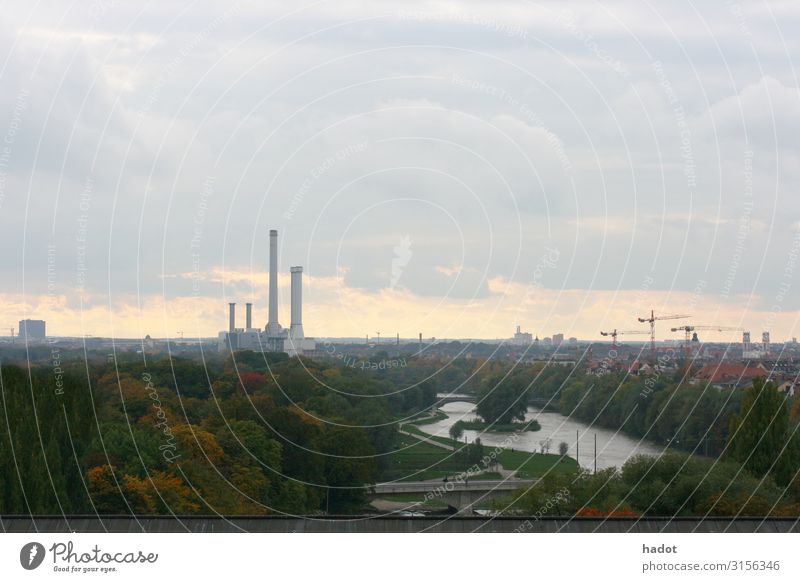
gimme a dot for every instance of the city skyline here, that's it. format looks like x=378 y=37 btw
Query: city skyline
x=212 y=316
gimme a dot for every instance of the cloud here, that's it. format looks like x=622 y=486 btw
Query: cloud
x=765 y=114
x=332 y=309
x=483 y=133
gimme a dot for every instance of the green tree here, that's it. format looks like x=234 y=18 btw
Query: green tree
x=456 y=432
x=760 y=438
x=503 y=398
x=349 y=468
x=474 y=452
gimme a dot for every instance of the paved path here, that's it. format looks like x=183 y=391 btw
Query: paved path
x=425 y=439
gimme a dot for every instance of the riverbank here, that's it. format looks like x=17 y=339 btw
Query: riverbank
x=480 y=426
x=427 y=456
x=613 y=447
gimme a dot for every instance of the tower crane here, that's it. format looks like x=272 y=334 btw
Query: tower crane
x=652 y=321
x=692 y=329
x=615 y=333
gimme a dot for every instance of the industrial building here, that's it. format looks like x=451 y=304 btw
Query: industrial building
x=31 y=330
x=521 y=338
x=274 y=337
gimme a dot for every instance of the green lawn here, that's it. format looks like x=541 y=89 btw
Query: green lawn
x=419 y=461
x=532 y=465
x=414 y=430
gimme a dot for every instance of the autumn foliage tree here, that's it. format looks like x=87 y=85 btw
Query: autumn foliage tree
x=118 y=493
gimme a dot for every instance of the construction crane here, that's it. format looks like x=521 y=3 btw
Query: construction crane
x=652 y=321
x=692 y=329
x=615 y=333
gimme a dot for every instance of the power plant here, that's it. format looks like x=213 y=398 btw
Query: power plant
x=273 y=338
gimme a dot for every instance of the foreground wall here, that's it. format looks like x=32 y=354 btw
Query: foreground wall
x=368 y=524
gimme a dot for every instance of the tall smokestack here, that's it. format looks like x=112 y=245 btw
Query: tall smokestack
x=296 y=330
x=273 y=327
x=231 y=317
x=248 y=316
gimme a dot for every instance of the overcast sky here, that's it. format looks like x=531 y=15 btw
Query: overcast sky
x=452 y=168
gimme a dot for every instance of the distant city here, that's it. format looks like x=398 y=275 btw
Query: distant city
x=724 y=365
x=635 y=351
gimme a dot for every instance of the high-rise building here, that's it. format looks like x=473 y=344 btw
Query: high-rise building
x=31 y=329
x=521 y=338
x=558 y=339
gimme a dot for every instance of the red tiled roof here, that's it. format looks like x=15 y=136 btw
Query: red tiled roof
x=723 y=372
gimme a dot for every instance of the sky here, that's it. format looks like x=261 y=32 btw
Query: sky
x=447 y=168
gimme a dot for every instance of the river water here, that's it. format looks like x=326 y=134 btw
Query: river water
x=613 y=448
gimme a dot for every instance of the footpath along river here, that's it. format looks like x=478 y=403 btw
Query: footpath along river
x=613 y=448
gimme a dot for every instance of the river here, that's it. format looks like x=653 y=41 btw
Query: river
x=613 y=448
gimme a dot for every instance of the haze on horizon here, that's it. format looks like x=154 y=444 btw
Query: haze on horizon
x=455 y=168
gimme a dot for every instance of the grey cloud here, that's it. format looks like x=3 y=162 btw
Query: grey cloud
x=172 y=99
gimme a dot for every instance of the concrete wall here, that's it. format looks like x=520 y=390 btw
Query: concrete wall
x=376 y=524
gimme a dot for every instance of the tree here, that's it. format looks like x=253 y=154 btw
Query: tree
x=503 y=399
x=112 y=492
x=171 y=495
x=474 y=452
x=349 y=468
x=456 y=432
x=563 y=448
x=759 y=435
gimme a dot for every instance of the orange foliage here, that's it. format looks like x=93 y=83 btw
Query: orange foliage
x=170 y=494
x=594 y=512
x=196 y=444
x=589 y=512
x=304 y=416
x=122 y=494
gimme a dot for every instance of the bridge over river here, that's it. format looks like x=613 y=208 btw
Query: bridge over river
x=460 y=494
x=442 y=399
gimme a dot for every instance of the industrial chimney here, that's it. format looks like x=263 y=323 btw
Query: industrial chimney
x=273 y=327
x=296 y=330
x=248 y=316
x=232 y=317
